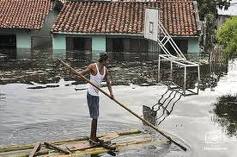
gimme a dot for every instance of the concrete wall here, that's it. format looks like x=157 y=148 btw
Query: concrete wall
x=41 y=39
x=23 y=45
x=59 y=44
x=47 y=26
x=153 y=46
x=23 y=37
x=98 y=46
x=193 y=46
x=221 y=19
x=23 y=41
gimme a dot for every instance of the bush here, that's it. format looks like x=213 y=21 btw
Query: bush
x=227 y=37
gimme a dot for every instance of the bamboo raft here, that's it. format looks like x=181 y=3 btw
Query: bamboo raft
x=125 y=140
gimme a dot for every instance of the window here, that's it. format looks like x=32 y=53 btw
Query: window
x=78 y=44
x=8 y=45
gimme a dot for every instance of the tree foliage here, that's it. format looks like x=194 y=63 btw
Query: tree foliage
x=210 y=7
x=208 y=14
x=227 y=37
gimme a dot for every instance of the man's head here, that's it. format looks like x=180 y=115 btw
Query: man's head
x=103 y=58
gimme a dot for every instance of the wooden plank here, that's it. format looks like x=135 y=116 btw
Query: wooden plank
x=109 y=136
x=122 y=142
x=25 y=149
x=36 y=148
x=110 y=146
x=9 y=148
x=49 y=145
x=31 y=146
x=79 y=146
x=86 y=145
x=121 y=146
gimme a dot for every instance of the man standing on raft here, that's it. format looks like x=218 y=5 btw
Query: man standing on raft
x=98 y=72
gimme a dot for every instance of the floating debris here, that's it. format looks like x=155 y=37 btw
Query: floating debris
x=2 y=96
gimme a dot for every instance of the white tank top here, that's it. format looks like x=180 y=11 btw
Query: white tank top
x=96 y=79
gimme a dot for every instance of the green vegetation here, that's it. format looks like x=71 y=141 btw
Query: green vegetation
x=227 y=37
x=207 y=7
x=208 y=14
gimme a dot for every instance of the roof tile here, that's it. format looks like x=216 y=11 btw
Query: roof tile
x=177 y=17
x=24 y=14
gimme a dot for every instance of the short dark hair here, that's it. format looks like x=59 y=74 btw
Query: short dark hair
x=103 y=57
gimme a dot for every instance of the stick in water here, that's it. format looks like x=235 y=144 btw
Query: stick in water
x=145 y=121
x=36 y=148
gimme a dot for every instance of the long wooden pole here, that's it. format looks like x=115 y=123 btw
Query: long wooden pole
x=145 y=121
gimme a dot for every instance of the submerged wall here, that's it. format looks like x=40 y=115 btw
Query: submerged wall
x=193 y=46
x=190 y=45
x=30 y=40
x=59 y=44
x=23 y=42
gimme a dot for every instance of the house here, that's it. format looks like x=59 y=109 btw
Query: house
x=113 y=26
x=223 y=14
x=25 y=25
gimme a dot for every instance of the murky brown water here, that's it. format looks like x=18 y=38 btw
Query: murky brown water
x=40 y=101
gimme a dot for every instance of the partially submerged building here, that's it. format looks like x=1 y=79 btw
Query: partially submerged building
x=96 y=26
x=25 y=25
x=92 y=26
x=224 y=14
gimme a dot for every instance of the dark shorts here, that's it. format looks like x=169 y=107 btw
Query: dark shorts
x=93 y=105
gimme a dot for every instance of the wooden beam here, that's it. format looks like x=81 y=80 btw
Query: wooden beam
x=10 y=148
x=52 y=146
x=36 y=148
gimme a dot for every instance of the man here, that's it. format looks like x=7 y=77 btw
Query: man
x=98 y=72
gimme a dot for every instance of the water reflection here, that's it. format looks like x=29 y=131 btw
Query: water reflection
x=125 y=68
x=2 y=96
x=42 y=67
x=226 y=112
x=163 y=108
x=211 y=74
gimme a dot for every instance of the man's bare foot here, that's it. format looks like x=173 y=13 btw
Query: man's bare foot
x=94 y=142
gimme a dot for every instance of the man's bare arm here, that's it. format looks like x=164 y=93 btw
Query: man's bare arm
x=86 y=71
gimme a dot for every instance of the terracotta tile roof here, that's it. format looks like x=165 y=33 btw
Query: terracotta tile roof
x=177 y=16
x=23 y=14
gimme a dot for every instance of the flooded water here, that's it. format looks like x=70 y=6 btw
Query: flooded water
x=41 y=102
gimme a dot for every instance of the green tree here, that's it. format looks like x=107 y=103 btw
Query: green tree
x=210 y=7
x=227 y=37
x=208 y=14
